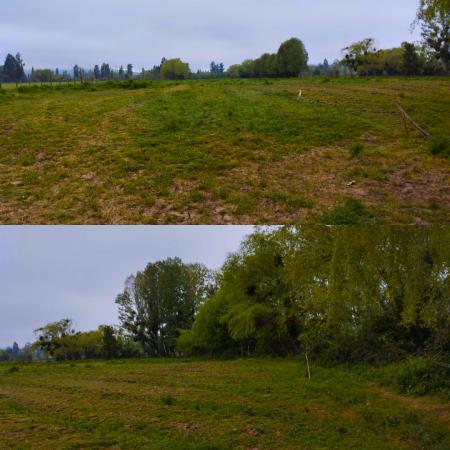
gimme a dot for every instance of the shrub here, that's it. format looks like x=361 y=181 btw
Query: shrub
x=440 y=146
x=352 y=212
x=13 y=369
x=423 y=376
x=356 y=150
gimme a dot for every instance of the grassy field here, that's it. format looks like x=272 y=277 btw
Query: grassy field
x=246 y=404
x=230 y=151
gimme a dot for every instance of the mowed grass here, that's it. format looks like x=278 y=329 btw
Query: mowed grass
x=229 y=151
x=244 y=404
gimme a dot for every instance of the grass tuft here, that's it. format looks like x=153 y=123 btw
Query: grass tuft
x=440 y=146
x=167 y=400
x=352 y=212
x=356 y=149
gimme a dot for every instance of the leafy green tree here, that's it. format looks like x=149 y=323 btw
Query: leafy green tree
x=292 y=58
x=175 y=69
x=357 y=54
x=53 y=338
x=344 y=294
x=42 y=76
x=160 y=301
x=121 y=73
x=434 y=18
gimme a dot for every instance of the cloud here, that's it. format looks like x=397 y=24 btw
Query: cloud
x=52 y=33
x=48 y=273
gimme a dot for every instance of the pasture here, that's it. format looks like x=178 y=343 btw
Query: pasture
x=223 y=152
x=243 y=404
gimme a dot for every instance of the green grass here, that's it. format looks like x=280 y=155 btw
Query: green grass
x=160 y=404
x=229 y=151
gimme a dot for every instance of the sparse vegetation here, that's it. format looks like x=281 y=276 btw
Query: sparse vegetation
x=254 y=403
x=356 y=150
x=219 y=151
x=440 y=147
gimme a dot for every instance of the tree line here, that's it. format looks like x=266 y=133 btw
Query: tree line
x=340 y=294
x=362 y=58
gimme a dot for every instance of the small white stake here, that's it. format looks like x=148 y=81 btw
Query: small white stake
x=307 y=363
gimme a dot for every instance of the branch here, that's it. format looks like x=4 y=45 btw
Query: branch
x=407 y=118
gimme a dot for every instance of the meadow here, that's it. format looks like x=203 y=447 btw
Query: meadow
x=225 y=151
x=188 y=404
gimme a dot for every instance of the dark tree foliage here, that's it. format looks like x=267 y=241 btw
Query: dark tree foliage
x=111 y=345
x=13 y=71
x=105 y=72
x=121 y=73
x=76 y=72
x=411 y=62
x=129 y=71
x=97 y=74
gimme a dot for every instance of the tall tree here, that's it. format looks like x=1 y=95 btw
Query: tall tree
x=97 y=72
x=434 y=17
x=175 y=69
x=76 y=72
x=105 y=72
x=292 y=58
x=161 y=300
x=13 y=69
x=411 y=62
x=357 y=54
x=121 y=73
x=129 y=71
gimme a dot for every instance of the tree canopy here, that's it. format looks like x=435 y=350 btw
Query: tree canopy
x=434 y=17
x=175 y=69
x=161 y=300
x=13 y=71
x=342 y=293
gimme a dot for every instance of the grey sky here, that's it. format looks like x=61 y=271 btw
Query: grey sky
x=52 y=33
x=48 y=273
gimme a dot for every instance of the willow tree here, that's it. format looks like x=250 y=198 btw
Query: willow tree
x=373 y=292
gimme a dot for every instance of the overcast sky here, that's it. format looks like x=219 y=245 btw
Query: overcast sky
x=58 y=33
x=49 y=273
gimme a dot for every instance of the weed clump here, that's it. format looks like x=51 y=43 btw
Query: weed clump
x=440 y=146
x=356 y=150
x=424 y=376
x=167 y=400
x=13 y=369
x=352 y=212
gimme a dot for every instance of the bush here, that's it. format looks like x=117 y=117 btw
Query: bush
x=424 y=376
x=352 y=212
x=356 y=150
x=440 y=146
